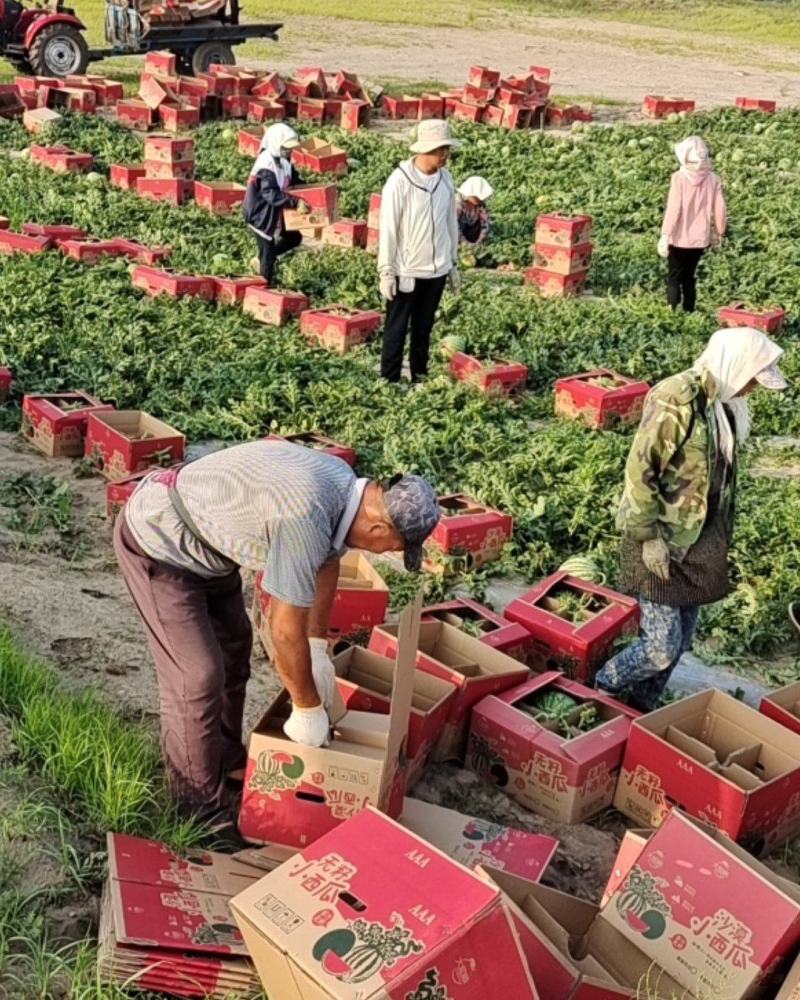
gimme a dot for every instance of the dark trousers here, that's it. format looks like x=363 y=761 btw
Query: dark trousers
x=200 y=637
x=681 y=287
x=416 y=309
x=270 y=250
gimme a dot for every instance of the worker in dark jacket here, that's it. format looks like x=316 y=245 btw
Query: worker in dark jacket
x=267 y=196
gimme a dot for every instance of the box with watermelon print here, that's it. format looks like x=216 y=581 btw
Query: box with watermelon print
x=474 y=668
x=720 y=761
x=373 y=912
x=768 y=319
x=717 y=921
x=552 y=745
x=468 y=532
x=56 y=423
x=477 y=620
x=601 y=398
x=293 y=794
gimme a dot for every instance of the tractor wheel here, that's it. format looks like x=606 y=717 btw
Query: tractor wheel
x=211 y=52
x=59 y=50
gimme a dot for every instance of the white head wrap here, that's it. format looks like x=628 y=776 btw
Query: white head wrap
x=476 y=187
x=277 y=138
x=693 y=156
x=733 y=358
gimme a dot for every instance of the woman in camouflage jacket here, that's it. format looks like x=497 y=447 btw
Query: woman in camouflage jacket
x=676 y=515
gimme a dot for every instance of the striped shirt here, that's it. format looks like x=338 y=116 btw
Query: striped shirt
x=267 y=505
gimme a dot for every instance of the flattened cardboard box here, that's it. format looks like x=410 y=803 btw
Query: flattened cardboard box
x=473 y=667
x=473 y=842
x=719 y=760
x=293 y=794
x=370 y=911
x=565 y=778
x=715 y=919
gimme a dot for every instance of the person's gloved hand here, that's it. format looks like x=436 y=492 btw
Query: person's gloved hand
x=310 y=726
x=323 y=673
x=663 y=246
x=655 y=556
x=388 y=287
x=454 y=281
x=716 y=240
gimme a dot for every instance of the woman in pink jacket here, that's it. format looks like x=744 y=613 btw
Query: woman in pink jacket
x=694 y=220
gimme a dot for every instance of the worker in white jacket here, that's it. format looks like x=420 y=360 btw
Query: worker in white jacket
x=418 y=248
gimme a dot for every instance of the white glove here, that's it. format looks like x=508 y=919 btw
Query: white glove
x=308 y=725
x=323 y=673
x=716 y=240
x=663 y=246
x=655 y=556
x=454 y=281
x=388 y=287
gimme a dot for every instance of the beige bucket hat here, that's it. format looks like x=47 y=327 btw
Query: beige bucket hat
x=433 y=133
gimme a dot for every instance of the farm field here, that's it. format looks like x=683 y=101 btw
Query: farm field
x=77 y=696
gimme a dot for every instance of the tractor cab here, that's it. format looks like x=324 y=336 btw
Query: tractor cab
x=47 y=41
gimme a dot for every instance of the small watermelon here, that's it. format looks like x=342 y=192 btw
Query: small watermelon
x=339 y=942
x=655 y=924
x=451 y=345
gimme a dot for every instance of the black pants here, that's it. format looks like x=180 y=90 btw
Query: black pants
x=417 y=309
x=682 y=262
x=270 y=250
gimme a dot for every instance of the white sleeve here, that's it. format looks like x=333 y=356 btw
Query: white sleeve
x=452 y=222
x=391 y=213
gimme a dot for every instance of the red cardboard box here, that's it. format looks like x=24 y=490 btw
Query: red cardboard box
x=119 y=493
x=126 y=176
x=431 y=106
x=540 y=73
x=562 y=260
x=468 y=111
x=11 y=103
x=394 y=918
x=81 y=100
x=141 y=254
x=560 y=115
x=374 y=217
x=249 y=141
x=632 y=844
x=90 y=251
x=373 y=241
x=737 y=314
x=783 y=706
x=706 y=912
x=349 y=84
x=219 y=84
x=509 y=95
x=265 y=111
x=556 y=286
x=562 y=230
x=400 y=107
x=175 y=191
x=601 y=398
x=11 y=242
x=180 y=116
x=349 y=233
x=573 y=953
x=61 y=159
x=339 y=327
x=235 y=105
x=495 y=376
x=244 y=79
x=107 y=92
x=310 y=109
x=160 y=63
x=318 y=442
x=6 y=379
x=756 y=104
x=231 y=291
x=273 y=307
x=470 y=529
x=332 y=111
x=482 y=76
x=322 y=199
x=135 y=114
x=53 y=232
x=128 y=441
x=294 y=794
x=155 y=281
x=320 y=157
x=355 y=115
x=197 y=91
x=473 y=667
x=493 y=115
x=472 y=841
x=270 y=86
x=479 y=95
x=166 y=149
x=36 y=119
x=517 y=117
x=219 y=197
x=720 y=761
x=483 y=623
x=313 y=76
x=565 y=769
x=154 y=92
x=55 y=423
x=655 y=106
x=578 y=644
x=364 y=681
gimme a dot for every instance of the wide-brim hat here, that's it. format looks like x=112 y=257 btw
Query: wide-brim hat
x=433 y=133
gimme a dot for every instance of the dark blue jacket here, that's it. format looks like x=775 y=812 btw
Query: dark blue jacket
x=264 y=201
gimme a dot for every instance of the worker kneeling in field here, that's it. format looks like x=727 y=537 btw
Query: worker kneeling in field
x=418 y=250
x=474 y=225
x=695 y=219
x=678 y=504
x=181 y=540
x=267 y=196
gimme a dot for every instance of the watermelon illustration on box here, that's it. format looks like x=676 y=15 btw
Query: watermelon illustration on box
x=372 y=912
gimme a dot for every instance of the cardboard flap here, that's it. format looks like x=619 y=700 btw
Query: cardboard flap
x=408 y=628
x=365 y=728
x=693 y=748
x=740 y=776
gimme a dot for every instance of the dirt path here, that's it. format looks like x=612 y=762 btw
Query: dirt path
x=617 y=61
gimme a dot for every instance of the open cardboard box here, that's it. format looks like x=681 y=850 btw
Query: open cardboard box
x=365 y=682
x=474 y=668
x=293 y=793
x=702 y=908
x=783 y=706
x=472 y=841
x=481 y=622
x=127 y=441
x=551 y=767
x=572 y=953
x=373 y=912
x=722 y=762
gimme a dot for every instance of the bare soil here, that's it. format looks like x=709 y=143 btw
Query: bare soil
x=620 y=62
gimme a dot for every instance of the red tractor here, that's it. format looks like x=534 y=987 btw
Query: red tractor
x=49 y=41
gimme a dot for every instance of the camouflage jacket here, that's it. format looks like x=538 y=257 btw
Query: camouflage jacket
x=669 y=468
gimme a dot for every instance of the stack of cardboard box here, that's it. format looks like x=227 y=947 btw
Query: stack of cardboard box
x=168 y=169
x=562 y=252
